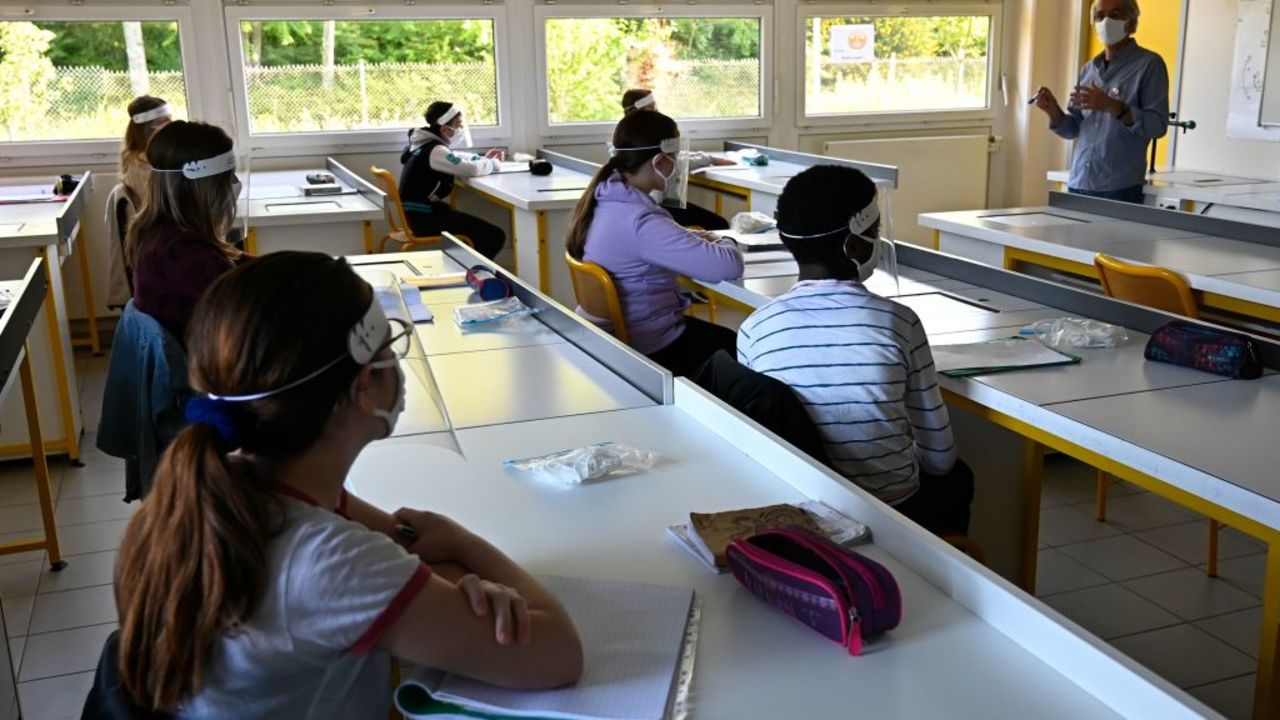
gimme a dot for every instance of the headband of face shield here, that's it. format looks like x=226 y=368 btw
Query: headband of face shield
x=368 y=337
x=461 y=136
x=156 y=113
x=670 y=146
x=644 y=102
x=858 y=225
x=196 y=169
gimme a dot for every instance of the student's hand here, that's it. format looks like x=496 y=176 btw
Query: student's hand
x=509 y=610
x=721 y=161
x=438 y=540
x=496 y=154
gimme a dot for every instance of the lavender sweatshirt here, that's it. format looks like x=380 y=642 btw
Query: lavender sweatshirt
x=644 y=251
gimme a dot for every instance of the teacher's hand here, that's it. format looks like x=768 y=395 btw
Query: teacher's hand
x=1045 y=100
x=1092 y=97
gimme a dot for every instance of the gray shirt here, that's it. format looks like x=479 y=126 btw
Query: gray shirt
x=1109 y=155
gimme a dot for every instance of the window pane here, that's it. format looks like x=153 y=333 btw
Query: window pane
x=697 y=67
x=896 y=64
x=73 y=80
x=325 y=75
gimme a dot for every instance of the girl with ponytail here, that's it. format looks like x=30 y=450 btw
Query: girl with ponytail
x=250 y=585
x=618 y=226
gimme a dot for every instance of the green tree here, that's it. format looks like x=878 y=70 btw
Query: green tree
x=586 y=63
x=25 y=77
x=716 y=38
x=102 y=44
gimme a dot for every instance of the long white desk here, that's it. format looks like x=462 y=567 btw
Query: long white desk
x=1209 y=456
x=1250 y=200
x=970 y=644
x=1222 y=270
x=282 y=217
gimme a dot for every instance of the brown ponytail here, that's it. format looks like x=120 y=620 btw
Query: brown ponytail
x=193 y=563
x=642 y=129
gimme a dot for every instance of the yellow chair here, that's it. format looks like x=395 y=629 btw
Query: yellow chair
x=595 y=292
x=1162 y=289
x=398 y=222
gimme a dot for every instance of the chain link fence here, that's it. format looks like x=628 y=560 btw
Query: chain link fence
x=82 y=103
x=893 y=84
x=710 y=89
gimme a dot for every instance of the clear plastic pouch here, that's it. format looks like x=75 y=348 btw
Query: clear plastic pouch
x=490 y=313
x=584 y=464
x=752 y=222
x=1077 y=333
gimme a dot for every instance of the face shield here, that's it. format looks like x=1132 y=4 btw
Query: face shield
x=459 y=135
x=884 y=281
x=675 y=189
x=227 y=162
x=879 y=270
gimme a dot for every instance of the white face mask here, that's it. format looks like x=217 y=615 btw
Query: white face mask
x=1111 y=31
x=390 y=417
x=867 y=268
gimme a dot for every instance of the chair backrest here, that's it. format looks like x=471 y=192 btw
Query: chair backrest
x=1155 y=287
x=395 y=208
x=596 y=293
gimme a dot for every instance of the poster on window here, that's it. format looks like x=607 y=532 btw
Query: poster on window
x=853 y=43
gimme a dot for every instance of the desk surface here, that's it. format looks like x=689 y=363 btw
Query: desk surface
x=942 y=660
x=36 y=223
x=768 y=179
x=558 y=191
x=1205 y=187
x=275 y=198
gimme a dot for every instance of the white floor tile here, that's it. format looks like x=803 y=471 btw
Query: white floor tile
x=97 y=508
x=1233 y=698
x=81 y=571
x=1245 y=573
x=91 y=537
x=56 y=698
x=1190 y=542
x=1254 y=542
x=22 y=557
x=73 y=608
x=1110 y=611
x=63 y=652
x=93 y=483
x=15 y=652
x=17 y=615
x=1069 y=481
x=1241 y=629
x=1186 y=655
x=1189 y=593
x=1068 y=524
x=1057 y=573
x=1143 y=511
x=19 y=579
x=19 y=488
x=1122 y=557
x=21 y=518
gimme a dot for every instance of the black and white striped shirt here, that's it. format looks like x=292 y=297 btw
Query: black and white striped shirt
x=861 y=366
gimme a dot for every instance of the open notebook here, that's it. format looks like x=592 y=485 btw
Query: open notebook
x=633 y=637
x=993 y=356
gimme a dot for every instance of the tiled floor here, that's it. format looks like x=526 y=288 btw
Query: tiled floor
x=1136 y=581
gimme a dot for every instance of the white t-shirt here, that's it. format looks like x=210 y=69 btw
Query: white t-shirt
x=334 y=587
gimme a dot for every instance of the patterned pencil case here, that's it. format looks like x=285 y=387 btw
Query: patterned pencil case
x=843 y=595
x=1216 y=351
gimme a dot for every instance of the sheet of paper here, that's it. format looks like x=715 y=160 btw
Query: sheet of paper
x=272 y=192
x=1032 y=220
x=999 y=354
x=513 y=166
x=632 y=635
x=302 y=208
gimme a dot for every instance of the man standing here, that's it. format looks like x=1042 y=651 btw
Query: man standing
x=1119 y=105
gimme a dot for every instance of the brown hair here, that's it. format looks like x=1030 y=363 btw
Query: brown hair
x=630 y=97
x=193 y=563
x=643 y=129
x=136 y=136
x=205 y=207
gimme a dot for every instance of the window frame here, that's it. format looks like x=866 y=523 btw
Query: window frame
x=35 y=153
x=691 y=127
x=336 y=141
x=993 y=9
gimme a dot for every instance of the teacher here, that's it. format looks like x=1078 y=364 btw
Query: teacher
x=1119 y=105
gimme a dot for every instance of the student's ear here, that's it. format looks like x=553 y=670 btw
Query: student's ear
x=363 y=389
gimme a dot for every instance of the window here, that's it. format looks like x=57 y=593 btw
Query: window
x=896 y=64
x=73 y=80
x=697 y=67
x=336 y=75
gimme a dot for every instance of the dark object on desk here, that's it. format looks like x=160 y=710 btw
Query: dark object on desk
x=106 y=701
x=321 y=178
x=487 y=284
x=65 y=185
x=325 y=189
x=1220 y=352
x=540 y=167
x=845 y=596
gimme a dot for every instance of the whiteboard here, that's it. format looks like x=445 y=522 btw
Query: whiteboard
x=1244 y=111
x=1271 y=86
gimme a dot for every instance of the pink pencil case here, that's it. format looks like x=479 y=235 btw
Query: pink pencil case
x=845 y=596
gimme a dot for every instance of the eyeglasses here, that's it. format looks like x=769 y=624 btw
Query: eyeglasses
x=401 y=339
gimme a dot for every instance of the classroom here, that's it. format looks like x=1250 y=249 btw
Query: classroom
x=639 y=359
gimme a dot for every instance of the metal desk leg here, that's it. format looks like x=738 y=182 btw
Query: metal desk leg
x=41 y=464
x=1032 y=479
x=368 y=237
x=86 y=281
x=251 y=241
x=1266 y=691
x=59 y=365
x=544 y=270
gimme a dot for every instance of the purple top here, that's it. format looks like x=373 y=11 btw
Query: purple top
x=644 y=251
x=172 y=275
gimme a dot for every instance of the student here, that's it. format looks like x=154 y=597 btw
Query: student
x=618 y=226
x=860 y=363
x=175 y=243
x=250 y=584
x=691 y=215
x=430 y=166
x=147 y=115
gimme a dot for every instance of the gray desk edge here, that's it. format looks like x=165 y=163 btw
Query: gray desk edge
x=642 y=374
x=19 y=316
x=363 y=187
x=875 y=171
x=1174 y=219
x=1080 y=303
x=69 y=216
x=585 y=167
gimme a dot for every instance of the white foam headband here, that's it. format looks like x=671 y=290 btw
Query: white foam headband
x=668 y=146
x=449 y=115
x=155 y=113
x=644 y=102
x=858 y=224
x=216 y=165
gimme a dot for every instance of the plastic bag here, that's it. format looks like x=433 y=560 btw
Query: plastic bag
x=1077 y=333
x=593 y=462
x=752 y=222
x=491 y=313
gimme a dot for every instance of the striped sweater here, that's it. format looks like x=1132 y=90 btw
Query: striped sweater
x=861 y=366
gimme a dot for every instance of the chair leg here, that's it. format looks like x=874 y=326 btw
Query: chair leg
x=1211 y=569
x=1103 y=482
